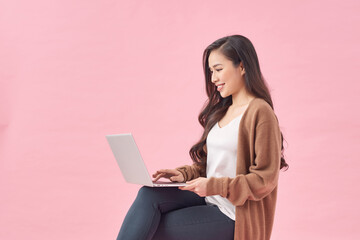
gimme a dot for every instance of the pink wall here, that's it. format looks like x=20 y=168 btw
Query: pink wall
x=73 y=71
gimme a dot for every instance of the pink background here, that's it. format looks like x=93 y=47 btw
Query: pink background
x=73 y=71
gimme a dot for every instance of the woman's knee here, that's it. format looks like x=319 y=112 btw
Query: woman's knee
x=144 y=190
x=146 y=194
x=154 y=194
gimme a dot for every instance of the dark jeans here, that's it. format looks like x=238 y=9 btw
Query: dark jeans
x=168 y=213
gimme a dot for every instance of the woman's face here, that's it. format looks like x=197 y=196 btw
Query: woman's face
x=230 y=80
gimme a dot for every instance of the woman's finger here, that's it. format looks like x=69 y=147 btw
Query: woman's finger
x=174 y=179
x=171 y=171
x=159 y=172
x=159 y=176
x=188 y=187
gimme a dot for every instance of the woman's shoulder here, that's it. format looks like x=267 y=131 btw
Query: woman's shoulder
x=259 y=104
x=260 y=110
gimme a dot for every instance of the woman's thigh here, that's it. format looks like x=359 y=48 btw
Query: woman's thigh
x=166 y=199
x=144 y=215
x=195 y=223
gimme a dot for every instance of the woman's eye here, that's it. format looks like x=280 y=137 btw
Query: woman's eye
x=218 y=70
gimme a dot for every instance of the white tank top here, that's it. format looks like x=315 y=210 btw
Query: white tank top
x=221 y=144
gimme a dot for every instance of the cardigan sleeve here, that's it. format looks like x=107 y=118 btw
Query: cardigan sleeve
x=192 y=171
x=263 y=175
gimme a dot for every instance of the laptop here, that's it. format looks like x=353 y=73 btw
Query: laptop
x=131 y=164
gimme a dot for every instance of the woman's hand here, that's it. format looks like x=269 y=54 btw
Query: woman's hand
x=197 y=186
x=171 y=174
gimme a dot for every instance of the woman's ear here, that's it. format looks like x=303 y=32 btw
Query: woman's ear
x=242 y=69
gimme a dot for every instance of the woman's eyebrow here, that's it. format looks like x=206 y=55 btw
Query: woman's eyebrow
x=215 y=65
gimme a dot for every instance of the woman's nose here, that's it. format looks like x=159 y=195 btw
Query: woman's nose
x=214 y=78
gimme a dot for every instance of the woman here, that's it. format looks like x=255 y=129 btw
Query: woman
x=232 y=183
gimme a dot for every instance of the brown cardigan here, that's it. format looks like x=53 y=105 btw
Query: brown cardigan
x=254 y=189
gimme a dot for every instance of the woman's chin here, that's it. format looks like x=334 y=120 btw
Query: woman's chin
x=223 y=94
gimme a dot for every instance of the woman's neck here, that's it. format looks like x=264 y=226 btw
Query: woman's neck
x=242 y=99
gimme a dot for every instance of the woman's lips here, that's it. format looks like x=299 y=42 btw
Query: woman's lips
x=220 y=87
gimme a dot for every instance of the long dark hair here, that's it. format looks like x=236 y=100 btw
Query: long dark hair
x=238 y=49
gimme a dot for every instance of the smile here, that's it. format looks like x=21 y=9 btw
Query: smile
x=219 y=87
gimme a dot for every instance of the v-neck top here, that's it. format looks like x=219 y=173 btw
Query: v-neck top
x=222 y=144
x=229 y=122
